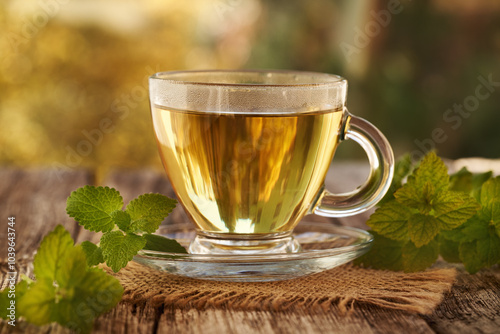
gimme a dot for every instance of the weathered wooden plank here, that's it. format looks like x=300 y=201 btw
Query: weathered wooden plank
x=124 y=318
x=472 y=306
x=37 y=198
x=362 y=320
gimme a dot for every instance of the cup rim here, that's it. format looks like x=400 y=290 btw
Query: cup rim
x=331 y=80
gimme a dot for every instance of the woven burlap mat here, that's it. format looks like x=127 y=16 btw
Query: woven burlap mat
x=343 y=287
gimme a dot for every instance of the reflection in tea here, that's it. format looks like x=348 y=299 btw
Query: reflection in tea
x=246 y=173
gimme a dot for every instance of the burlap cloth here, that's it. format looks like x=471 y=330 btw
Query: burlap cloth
x=343 y=287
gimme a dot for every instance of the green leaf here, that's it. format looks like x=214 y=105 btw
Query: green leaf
x=477 y=182
x=454 y=208
x=93 y=253
x=118 y=249
x=470 y=183
x=92 y=207
x=461 y=181
x=482 y=252
x=490 y=200
x=449 y=250
x=48 y=259
x=148 y=211
x=161 y=244
x=7 y=295
x=490 y=190
x=95 y=295
x=66 y=290
x=469 y=256
x=429 y=178
x=121 y=219
x=68 y=313
x=37 y=305
x=475 y=228
x=385 y=253
x=73 y=269
x=391 y=221
x=431 y=169
x=106 y=289
x=417 y=198
x=421 y=199
x=489 y=249
x=419 y=258
x=4 y=303
x=422 y=229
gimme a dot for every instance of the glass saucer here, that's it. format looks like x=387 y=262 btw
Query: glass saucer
x=324 y=246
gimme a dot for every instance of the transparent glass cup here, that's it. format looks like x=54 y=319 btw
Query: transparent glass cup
x=247 y=153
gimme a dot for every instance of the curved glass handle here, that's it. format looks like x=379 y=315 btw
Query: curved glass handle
x=381 y=160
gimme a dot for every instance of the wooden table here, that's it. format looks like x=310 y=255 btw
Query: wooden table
x=37 y=198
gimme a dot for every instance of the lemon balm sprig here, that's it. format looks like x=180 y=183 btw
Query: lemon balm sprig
x=125 y=232
x=65 y=290
x=432 y=214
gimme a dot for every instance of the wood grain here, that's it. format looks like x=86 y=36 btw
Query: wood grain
x=38 y=197
x=472 y=306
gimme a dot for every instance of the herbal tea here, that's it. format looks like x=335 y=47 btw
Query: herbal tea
x=246 y=173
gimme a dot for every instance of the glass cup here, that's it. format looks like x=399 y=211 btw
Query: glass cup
x=247 y=153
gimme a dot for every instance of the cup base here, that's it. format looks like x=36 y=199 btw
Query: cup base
x=204 y=244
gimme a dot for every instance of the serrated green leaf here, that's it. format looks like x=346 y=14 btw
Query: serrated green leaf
x=97 y=294
x=448 y=249
x=68 y=313
x=490 y=190
x=7 y=295
x=430 y=177
x=122 y=220
x=453 y=208
x=92 y=207
x=469 y=257
x=475 y=228
x=419 y=258
x=385 y=253
x=489 y=249
x=73 y=269
x=106 y=289
x=470 y=183
x=490 y=200
x=461 y=181
x=161 y=244
x=411 y=196
x=480 y=253
x=66 y=290
x=445 y=209
x=477 y=182
x=48 y=259
x=118 y=249
x=391 y=221
x=148 y=211
x=37 y=305
x=431 y=169
x=4 y=303
x=93 y=253
x=422 y=229
x=417 y=198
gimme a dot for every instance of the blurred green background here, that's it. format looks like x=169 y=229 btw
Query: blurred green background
x=73 y=73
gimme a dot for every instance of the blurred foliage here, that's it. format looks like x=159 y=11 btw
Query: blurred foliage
x=73 y=73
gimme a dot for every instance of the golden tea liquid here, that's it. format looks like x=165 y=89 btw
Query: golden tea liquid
x=244 y=173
